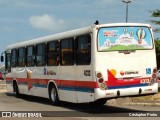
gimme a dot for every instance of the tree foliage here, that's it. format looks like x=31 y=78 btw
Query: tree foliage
x=156 y=14
x=157 y=46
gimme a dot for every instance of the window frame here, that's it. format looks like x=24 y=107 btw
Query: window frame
x=88 y=41
x=15 y=57
x=43 y=55
x=71 y=50
x=22 y=57
x=53 y=52
x=30 y=56
x=7 y=67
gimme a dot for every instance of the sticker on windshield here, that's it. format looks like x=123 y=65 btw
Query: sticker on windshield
x=124 y=38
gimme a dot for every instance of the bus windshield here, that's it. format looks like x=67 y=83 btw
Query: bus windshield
x=124 y=38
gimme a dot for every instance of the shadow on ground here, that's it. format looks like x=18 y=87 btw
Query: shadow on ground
x=79 y=110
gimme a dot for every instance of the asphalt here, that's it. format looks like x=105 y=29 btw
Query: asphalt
x=123 y=101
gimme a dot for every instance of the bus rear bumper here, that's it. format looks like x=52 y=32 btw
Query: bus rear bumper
x=126 y=92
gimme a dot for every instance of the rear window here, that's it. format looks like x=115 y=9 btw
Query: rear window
x=124 y=38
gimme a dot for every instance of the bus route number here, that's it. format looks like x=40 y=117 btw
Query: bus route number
x=144 y=81
x=87 y=72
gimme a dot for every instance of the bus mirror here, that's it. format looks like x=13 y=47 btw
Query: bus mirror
x=2 y=58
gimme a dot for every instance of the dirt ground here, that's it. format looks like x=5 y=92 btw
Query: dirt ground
x=149 y=98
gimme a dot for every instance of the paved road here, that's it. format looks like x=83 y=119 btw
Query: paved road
x=8 y=102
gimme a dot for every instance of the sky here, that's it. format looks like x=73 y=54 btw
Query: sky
x=22 y=20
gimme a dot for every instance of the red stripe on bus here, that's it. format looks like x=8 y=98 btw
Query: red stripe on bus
x=89 y=84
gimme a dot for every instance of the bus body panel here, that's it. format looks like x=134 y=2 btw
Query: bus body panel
x=126 y=65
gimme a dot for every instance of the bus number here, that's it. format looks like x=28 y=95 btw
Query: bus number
x=87 y=72
x=143 y=81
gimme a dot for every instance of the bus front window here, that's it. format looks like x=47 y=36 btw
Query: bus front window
x=124 y=38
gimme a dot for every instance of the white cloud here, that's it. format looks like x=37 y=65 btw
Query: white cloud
x=47 y=22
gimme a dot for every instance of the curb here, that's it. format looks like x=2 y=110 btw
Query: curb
x=143 y=104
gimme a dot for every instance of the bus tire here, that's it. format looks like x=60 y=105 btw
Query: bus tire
x=15 y=89
x=53 y=95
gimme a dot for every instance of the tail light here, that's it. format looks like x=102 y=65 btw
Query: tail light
x=153 y=78
x=100 y=81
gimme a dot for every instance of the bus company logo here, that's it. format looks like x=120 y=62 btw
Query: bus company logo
x=122 y=72
x=130 y=72
x=48 y=72
x=51 y=72
x=44 y=71
x=110 y=33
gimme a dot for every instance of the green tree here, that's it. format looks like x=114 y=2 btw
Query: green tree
x=157 y=46
x=156 y=14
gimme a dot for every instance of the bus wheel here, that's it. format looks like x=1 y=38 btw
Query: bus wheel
x=53 y=95
x=15 y=89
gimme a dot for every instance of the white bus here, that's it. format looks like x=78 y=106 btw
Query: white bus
x=91 y=64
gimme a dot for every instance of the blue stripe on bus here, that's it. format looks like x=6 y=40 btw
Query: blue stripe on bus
x=85 y=89
x=43 y=86
x=22 y=83
x=79 y=89
x=127 y=86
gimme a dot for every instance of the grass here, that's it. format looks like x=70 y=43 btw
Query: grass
x=123 y=47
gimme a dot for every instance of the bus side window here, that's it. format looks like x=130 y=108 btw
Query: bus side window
x=30 y=56
x=41 y=54
x=67 y=51
x=53 y=53
x=8 y=63
x=21 y=57
x=14 y=57
x=83 y=50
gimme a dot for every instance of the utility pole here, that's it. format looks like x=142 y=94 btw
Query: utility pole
x=127 y=2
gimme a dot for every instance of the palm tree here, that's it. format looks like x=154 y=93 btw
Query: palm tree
x=156 y=13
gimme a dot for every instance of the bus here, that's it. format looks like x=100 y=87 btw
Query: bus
x=86 y=65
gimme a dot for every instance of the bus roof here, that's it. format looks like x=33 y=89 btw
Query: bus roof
x=58 y=36
x=124 y=24
x=69 y=34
